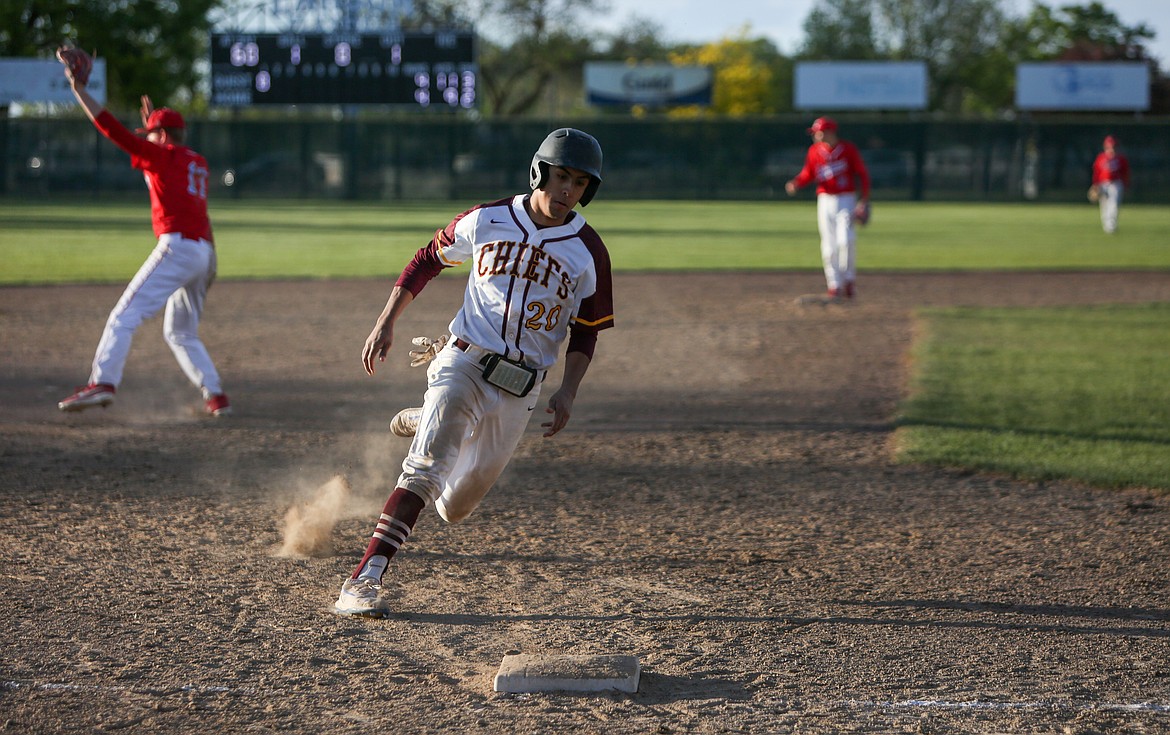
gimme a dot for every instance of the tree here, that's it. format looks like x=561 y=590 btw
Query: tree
x=150 y=46
x=532 y=44
x=953 y=38
x=839 y=30
x=747 y=73
x=1073 y=33
x=1099 y=34
x=639 y=40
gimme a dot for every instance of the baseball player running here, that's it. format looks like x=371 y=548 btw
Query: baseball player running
x=837 y=168
x=1110 y=180
x=539 y=275
x=182 y=266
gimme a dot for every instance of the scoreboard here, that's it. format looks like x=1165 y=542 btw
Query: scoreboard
x=424 y=70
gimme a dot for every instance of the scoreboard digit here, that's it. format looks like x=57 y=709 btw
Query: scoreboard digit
x=400 y=68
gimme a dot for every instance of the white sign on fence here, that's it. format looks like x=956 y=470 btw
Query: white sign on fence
x=39 y=80
x=1109 y=85
x=657 y=85
x=858 y=85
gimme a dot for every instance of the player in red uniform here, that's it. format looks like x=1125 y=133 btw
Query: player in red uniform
x=179 y=270
x=1110 y=180
x=836 y=166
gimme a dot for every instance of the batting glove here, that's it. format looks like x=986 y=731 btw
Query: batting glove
x=430 y=348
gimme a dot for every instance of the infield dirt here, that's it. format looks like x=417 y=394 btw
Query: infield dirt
x=724 y=504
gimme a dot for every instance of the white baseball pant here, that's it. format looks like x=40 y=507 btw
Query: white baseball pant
x=838 y=238
x=177 y=274
x=466 y=434
x=1109 y=200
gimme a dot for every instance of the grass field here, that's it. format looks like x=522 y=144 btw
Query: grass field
x=107 y=241
x=1078 y=393
x=1044 y=393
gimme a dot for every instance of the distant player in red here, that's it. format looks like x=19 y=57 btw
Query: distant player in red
x=179 y=270
x=1110 y=180
x=836 y=167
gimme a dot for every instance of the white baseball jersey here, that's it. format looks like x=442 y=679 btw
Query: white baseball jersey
x=527 y=284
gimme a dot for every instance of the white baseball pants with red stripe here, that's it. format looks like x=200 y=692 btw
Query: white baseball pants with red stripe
x=176 y=275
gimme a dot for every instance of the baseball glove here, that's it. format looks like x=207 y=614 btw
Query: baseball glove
x=1093 y=194
x=430 y=348
x=79 y=63
x=861 y=213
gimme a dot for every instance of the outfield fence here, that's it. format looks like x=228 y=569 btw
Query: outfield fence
x=434 y=157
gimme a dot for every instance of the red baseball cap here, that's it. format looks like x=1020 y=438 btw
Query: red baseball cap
x=163 y=117
x=1110 y=140
x=822 y=123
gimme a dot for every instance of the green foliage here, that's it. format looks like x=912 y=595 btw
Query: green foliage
x=1080 y=393
x=971 y=47
x=150 y=46
x=528 y=45
x=840 y=29
x=745 y=75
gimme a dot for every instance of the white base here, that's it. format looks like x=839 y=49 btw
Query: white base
x=523 y=674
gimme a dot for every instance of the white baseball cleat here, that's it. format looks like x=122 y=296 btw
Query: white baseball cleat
x=405 y=422
x=94 y=394
x=360 y=597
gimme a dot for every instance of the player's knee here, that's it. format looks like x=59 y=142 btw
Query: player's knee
x=452 y=513
x=177 y=339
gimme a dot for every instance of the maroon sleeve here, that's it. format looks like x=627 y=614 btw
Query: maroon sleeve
x=424 y=266
x=582 y=340
x=596 y=310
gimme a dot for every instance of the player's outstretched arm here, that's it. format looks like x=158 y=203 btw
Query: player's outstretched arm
x=77 y=82
x=382 y=335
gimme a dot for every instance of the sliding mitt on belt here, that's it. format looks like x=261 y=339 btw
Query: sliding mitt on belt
x=430 y=348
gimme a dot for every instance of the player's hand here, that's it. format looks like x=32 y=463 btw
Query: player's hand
x=560 y=405
x=147 y=108
x=790 y=188
x=376 y=347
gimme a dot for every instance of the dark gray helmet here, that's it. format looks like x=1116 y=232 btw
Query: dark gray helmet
x=569 y=148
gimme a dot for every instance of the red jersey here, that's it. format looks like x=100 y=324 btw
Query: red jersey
x=176 y=177
x=1110 y=168
x=837 y=170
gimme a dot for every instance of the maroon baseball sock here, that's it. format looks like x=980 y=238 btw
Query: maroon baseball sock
x=394 y=526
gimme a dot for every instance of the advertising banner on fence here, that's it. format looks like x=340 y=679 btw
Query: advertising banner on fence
x=656 y=85
x=39 y=80
x=1111 y=85
x=860 y=85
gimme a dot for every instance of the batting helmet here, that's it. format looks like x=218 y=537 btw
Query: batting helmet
x=569 y=148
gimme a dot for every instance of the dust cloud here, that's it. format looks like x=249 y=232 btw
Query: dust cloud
x=308 y=526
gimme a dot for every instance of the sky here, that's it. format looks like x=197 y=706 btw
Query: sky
x=782 y=21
